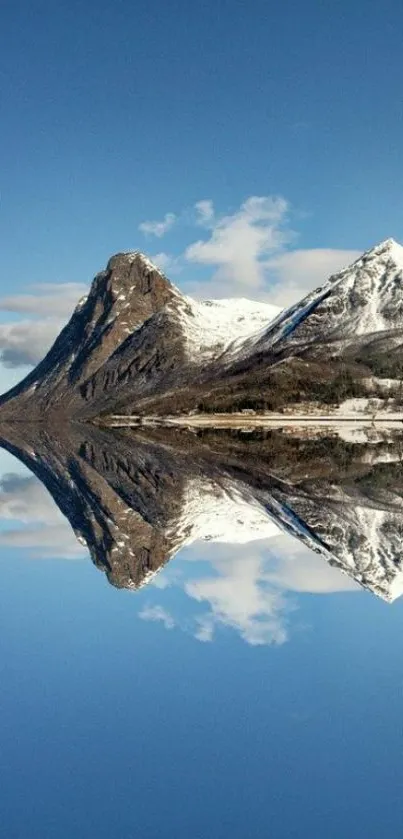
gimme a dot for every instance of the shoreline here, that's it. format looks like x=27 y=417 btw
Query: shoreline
x=258 y=420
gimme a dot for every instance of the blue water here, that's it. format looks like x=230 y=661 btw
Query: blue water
x=117 y=721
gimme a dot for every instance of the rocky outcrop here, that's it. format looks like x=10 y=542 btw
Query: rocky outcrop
x=120 y=300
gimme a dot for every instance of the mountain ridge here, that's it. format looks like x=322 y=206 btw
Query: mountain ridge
x=136 y=345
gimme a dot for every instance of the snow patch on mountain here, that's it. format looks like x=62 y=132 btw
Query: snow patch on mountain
x=374 y=563
x=210 y=326
x=361 y=541
x=215 y=513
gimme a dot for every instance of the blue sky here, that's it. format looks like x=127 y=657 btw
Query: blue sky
x=116 y=114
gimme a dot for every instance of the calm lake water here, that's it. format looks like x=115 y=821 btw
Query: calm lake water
x=250 y=688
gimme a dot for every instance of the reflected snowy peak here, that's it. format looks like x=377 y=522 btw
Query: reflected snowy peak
x=136 y=497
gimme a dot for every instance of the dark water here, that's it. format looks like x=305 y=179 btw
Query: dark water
x=220 y=655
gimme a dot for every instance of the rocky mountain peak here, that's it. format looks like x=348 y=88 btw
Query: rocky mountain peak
x=363 y=299
x=390 y=248
x=133 y=279
x=121 y=298
x=135 y=263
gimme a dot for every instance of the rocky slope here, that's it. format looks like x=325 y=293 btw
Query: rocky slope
x=121 y=298
x=136 y=500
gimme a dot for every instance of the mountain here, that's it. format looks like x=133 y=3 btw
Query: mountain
x=136 y=345
x=343 y=340
x=121 y=298
x=365 y=298
x=134 y=332
x=136 y=499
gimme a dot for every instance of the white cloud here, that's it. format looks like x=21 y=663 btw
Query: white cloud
x=158 y=228
x=204 y=628
x=37 y=523
x=25 y=342
x=249 y=255
x=247 y=587
x=166 y=262
x=238 y=598
x=239 y=243
x=204 y=212
x=56 y=300
x=293 y=274
x=157 y=613
x=291 y=566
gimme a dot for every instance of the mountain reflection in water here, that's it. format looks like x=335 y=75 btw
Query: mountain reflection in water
x=135 y=497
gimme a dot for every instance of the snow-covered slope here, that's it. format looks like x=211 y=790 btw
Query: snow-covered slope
x=365 y=298
x=213 y=512
x=212 y=325
x=360 y=539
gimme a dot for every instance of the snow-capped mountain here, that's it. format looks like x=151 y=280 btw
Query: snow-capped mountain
x=136 y=345
x=365 y=298
x=359 y=536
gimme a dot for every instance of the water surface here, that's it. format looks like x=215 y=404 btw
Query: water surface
x=200 y=664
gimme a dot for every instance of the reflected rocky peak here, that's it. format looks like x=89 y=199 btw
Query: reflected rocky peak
x=136 y=496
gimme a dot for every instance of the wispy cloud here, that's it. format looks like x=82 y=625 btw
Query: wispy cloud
x=291 y=566
x=157 y=613
x=38 y=526
x=166 y=262
x=26 y=342
x=46 y=299
x=49 y=306
x=237 y=244
x=158 y=228
x=204 y=212
x=239 y=599
x=293 y=274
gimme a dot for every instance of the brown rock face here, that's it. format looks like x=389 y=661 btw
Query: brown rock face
x=120 y=300
x=121 y=500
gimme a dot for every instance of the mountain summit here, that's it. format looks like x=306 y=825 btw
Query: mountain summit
x=121 y=298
